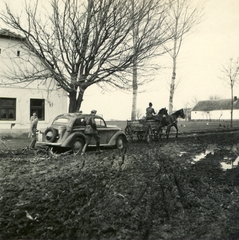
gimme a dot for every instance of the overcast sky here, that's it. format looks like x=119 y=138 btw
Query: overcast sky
x=200 y=62
x=202 y=56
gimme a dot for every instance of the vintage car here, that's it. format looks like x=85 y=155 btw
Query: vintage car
x=67 y=131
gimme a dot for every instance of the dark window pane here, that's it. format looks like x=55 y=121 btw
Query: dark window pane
x=38 y=106
x=5 y=102
x=37 y=102
x=3 y=114
x=11 y=114
x=7 y=109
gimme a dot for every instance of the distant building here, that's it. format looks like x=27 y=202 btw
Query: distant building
x=215 y=110
x=19 y=100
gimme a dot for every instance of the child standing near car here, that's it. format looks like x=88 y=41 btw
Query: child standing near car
x=33 y=130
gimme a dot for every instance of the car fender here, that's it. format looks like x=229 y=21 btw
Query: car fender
x=115 y=136
x=68 y=141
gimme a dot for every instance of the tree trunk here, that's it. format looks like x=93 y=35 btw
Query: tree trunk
x=135 y=92
x=75 y=101
x=172 y=86
x=232 y=100
x=134 y=81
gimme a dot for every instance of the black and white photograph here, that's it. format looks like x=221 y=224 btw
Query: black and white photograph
x=119 y=119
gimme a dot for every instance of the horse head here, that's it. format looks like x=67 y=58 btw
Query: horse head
x=163 y=111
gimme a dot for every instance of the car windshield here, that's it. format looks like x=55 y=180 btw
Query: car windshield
x=61 y=121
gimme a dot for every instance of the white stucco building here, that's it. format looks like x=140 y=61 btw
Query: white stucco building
x=215 y=110
x=19 y=100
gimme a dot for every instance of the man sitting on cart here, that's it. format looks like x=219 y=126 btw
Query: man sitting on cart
x=149 y=112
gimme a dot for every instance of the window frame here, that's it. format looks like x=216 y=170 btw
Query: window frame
x=38 y=108
x=7 y=108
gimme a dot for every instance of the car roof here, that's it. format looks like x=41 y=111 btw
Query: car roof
x=75 y=115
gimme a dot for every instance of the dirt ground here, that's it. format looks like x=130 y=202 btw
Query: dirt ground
x=185 y=188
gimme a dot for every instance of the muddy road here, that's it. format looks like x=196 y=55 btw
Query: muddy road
x=172 y=189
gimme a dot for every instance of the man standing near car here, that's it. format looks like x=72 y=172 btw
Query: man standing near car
x=91 y=131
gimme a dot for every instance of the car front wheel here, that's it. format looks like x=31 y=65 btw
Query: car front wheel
x=77 y=145
x=120 y=142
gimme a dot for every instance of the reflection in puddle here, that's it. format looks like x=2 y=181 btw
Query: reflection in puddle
x=228 y=162
x=210 y=149
x=226 y=166
x=181 y=154
x=230 y=165
x=199 y=157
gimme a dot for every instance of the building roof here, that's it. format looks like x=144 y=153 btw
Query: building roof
x=210 y=105
x=5 y=33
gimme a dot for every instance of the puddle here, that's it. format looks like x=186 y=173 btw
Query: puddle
x=227 y=163
x=235 y=163
x=181 y=154
x=199 y=157
x=209 y=150
x=226 y=166
x=230 y=165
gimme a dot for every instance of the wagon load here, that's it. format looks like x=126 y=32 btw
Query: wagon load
x=144 y=129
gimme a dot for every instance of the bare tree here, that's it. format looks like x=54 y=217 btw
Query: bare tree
x=187 y=110
x=231 y=73
x=214 y=97
x=134 y=81
x=81 y=43
x=194 y=101
x=184 y=16
x=139 y=114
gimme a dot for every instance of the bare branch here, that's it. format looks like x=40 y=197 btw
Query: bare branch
x=88 y=42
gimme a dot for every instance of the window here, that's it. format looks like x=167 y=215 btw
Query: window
x=99 y=122
x=61 y=121
x=18 y=53
x=79 y=122
x=38 y=106
x=7 y=109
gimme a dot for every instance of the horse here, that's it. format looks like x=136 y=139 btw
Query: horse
x=171 y=121
x=162 y=113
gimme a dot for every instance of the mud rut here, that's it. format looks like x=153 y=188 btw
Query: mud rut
x=153 y=191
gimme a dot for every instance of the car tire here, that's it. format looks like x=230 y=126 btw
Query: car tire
x=120 y=142
x=77 y=145
x=51 y=134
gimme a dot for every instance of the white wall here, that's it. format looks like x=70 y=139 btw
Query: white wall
x=55 y=100
x=55 y=104
x=215 y=115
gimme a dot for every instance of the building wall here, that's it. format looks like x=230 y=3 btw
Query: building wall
x=13 y=63
x=215 y=115
x=55 y=104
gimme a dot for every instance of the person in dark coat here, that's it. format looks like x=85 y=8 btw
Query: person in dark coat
x=91 y=131
x=150 y=111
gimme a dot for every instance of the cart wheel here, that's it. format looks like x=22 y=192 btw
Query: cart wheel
x=128 y=133
x=140 y=135
x=149 y=135
x=159 y=132
x=156 y=135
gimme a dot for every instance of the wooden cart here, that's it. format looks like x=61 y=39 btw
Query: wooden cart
x=143 y=130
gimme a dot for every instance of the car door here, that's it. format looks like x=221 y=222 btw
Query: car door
x=79 y=125
x=104 y=132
